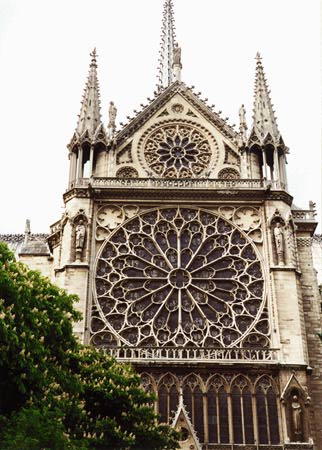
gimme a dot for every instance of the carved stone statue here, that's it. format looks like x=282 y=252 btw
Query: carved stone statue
x=279 y=243
x=296 y=418
x=112 y=112
x=80 y=236
x=242 y=125
x=242 y=116
x=177 y=55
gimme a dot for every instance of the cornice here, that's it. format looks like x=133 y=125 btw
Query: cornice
x=177 y=190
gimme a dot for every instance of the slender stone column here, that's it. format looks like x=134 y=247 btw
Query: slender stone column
x=265 y=164
x=91 y=161
x=277 y=177
x=80 y=164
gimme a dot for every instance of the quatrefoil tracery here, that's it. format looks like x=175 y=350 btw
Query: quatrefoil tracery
x=179 y=276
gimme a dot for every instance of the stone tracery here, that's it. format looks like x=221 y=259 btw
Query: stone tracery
x=177 y=150
x=179 y=276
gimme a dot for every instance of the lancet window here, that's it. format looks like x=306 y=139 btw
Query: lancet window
x=223 y=411
x=168 y=398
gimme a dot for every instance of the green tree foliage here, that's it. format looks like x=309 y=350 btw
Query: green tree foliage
x=54 y=393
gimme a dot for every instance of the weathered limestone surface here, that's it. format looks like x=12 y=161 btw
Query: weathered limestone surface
x=312 y=314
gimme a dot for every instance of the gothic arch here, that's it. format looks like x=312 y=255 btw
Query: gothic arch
x=193 y=399
x=148 y=382
x=168 y=397
x=267 y=411
x=216 y=381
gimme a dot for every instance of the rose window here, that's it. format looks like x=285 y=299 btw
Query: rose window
x=180 y=276
x=177 y=151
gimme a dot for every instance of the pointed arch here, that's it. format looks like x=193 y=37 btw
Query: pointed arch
x=242 y=410
x=193 y=399
x=267 y=411
x=148 y=382
x=168 y=396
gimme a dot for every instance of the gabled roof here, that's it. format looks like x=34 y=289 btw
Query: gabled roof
x=161 y=99
x=181 y=420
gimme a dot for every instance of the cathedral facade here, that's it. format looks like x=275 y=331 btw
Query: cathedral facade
x=192 y=263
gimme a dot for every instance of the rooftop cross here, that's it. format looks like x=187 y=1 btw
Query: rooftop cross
x=168 y=40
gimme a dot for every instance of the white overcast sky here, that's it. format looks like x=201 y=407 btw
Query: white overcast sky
x=44 y=54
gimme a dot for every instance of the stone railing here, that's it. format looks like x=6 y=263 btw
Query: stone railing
x=198 y=183
x=181 y=183
x=80 y=183
x=303 y=214
x=291 y=446
x=55 y=227
x=193 y=354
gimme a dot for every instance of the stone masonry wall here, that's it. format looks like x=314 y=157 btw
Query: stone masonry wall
x=312 y=318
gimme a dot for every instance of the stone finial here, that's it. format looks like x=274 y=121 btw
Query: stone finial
x=312 y=207
x=93 y=55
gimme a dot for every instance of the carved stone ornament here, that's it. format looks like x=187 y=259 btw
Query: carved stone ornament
x=111 y=216
x=177 y=150
x=180 y=276
x=127 y=172
x=229 y=174
x=247 y=218
x=177 y=108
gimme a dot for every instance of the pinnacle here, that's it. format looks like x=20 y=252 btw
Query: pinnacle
x=93 y=56
x=264 y=120
x=90 y=113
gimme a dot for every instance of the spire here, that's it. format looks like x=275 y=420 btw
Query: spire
x=264 y=125
x=90 y=113
x=168 y=40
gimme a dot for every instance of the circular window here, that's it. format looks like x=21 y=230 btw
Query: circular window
x=180 y=276
x=177 y=151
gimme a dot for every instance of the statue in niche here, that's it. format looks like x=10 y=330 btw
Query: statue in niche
x=80 y=234
x=296 y=418
x=279 y=243
x=177 y=55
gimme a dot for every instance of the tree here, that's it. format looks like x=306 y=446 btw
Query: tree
x=54 y=393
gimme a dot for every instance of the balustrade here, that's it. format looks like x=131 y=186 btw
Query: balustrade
x=209 y=354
